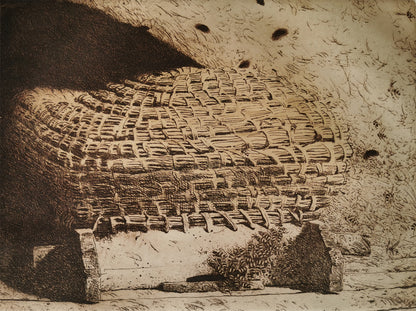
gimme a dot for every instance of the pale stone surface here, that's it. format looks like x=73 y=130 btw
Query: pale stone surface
x=145 y=260
x=40 y=252
x=91 y=267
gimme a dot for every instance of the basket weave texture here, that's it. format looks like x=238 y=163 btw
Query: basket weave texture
x=186 y=148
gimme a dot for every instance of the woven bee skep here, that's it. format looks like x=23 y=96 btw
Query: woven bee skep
x=193 y=143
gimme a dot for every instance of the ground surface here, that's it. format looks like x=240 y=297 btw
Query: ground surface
x=361 y=56
x=267 y=299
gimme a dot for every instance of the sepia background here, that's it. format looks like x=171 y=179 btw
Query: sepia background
x=358 y=55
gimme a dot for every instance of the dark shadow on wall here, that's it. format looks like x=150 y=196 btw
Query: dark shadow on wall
x=65 y=45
